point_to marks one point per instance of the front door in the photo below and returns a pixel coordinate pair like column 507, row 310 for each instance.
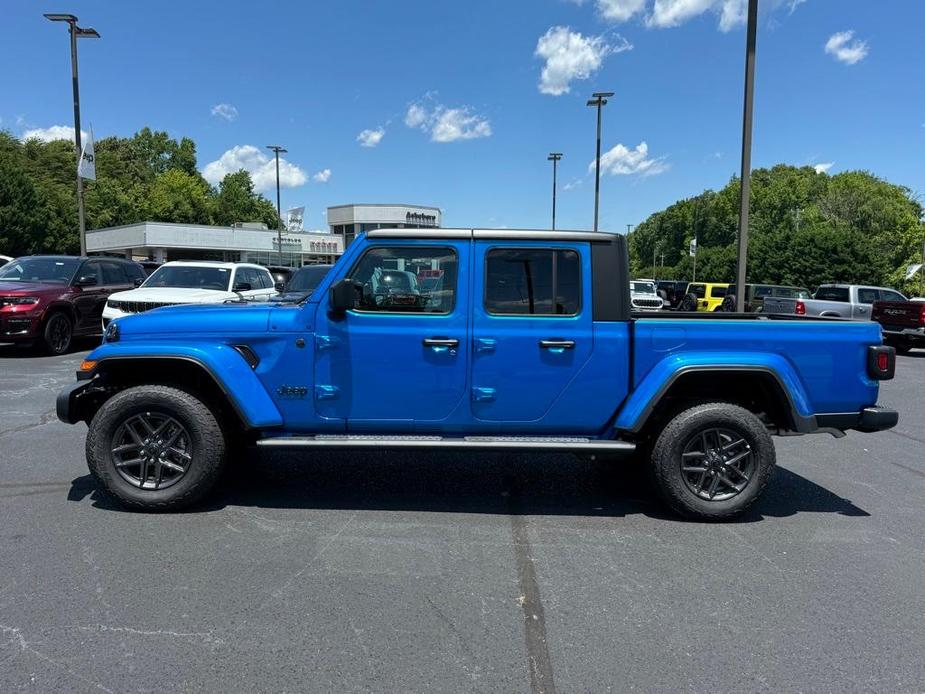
column 399, row 360
column 90, row 301
column 532, row 327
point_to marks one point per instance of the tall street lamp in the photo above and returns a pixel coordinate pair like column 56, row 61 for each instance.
column 599, row 100
column 279, row 215
column 554, row 157
column 750, row 40
column 77, row 33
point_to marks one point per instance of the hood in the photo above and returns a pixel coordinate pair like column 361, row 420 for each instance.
column 27, row 288
column 167, row 322
column 173, row 295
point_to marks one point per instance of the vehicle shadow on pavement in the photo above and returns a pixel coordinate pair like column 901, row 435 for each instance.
column 9, row 350
column 480, row 484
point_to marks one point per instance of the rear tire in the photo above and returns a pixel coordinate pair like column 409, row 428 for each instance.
column 155, row 448
column 57, row 334
column 711, row 462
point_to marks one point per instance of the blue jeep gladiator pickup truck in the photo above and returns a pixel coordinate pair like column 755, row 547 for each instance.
column 471, row 340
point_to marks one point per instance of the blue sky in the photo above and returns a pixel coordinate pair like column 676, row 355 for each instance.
column 462, row 101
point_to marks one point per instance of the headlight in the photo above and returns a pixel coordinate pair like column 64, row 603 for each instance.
column 18, row 300
column 112, row 304
column 111, row 333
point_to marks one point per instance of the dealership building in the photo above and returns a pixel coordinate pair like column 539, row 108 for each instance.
column 346, row 221
column 245, row 243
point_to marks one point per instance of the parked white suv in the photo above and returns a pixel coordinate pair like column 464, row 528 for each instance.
column 644, row 297
column 192, row 282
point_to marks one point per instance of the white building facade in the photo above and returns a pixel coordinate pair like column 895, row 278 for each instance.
column 161, row 241
column 346, row 221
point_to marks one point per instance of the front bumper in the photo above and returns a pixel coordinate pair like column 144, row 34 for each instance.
column 910, row 334
column 868, row 420
column 19, row 325
column 67, row 404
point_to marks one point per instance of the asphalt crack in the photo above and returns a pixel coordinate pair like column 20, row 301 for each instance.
column 539, row 663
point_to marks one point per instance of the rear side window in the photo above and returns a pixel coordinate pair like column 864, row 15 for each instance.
column 718, row 292
column 761, row 292
column 532, row 282
column 113, row 273
column 264, row 279
column 832, row 294
column 867, row 296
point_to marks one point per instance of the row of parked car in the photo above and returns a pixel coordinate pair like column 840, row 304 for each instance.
column 902, row 319
column 51, row 299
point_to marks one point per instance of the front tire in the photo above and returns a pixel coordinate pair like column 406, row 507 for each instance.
column 155, row 448
column 57, row 334
column 712, row 461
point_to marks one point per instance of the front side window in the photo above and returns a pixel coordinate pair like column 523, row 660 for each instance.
column 697, row 290
column 113, row 273
column 527, row 281
column 887, row 295
column 190, row 277
column 406, row 279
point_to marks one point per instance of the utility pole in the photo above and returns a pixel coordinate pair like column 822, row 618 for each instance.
column 629, row 228
column 599, row 100
column 77, row 33
column 554, row 157
column 279, row 215
column 750, row 41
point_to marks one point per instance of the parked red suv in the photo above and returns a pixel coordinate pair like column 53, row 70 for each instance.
column 54, row 298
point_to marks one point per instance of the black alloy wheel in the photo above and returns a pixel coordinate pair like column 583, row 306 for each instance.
column 58, row 333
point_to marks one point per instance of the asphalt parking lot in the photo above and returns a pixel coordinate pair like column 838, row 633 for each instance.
column 376, row 572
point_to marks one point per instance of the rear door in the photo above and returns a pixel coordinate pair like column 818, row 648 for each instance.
column 89, row 302
column 532, row 326
column 866, row 296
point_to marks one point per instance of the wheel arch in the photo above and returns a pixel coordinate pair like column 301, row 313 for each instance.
column 248, row 407
column 759, row 388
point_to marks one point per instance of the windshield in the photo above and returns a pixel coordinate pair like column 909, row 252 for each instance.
column 57, row 270
column 189, row 277
column 642, row 287
column 306, row 279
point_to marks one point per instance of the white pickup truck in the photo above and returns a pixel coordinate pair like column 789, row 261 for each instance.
column 834, row 300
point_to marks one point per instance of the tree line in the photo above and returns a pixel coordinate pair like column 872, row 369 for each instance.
column 147, row 177
column 805, row 229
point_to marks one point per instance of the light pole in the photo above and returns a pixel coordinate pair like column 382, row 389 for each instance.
column 750, row 40
column 599, row 100
column 279, row 215
column 77, row 33
column 554, row 157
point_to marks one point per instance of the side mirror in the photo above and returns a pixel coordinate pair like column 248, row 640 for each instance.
column 86, row 281
column 280, row 286
column 241, row 287
column 344, row 295
column 138, row 281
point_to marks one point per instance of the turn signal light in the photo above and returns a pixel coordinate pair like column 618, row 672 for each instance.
column 87, row 365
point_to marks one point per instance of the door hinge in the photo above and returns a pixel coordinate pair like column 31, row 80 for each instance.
column 483, row 394
column 325, row 392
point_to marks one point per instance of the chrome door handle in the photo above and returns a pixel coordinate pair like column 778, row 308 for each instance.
column 557, row 344
column 441, row 342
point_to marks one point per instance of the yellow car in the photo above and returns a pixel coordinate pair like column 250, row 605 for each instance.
column 709, row 295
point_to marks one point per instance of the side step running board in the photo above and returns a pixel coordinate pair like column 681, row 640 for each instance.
column 545, row 443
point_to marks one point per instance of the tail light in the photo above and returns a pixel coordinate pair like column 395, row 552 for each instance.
column 881, row 362
column 922, row 313
column 800, row 308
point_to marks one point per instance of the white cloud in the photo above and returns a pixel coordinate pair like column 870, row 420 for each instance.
column 619, row 10
column 371, row 138
column 226, row 111
column 447, row 124
column 794, row 4
column 622, row 161
column 571, row 56
column 846, row 50
column 258, row 164
column 672, row 13
column 54, row 132
column 571, row 185
column 322, row 176
column 824, row 167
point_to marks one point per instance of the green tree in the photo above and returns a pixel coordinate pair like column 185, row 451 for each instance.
column 237, row 202
column 177, row 196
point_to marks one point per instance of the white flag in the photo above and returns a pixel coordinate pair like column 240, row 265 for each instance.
column 86, row 168
column 693, row 248
column 294, row 218
column 912, row 269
